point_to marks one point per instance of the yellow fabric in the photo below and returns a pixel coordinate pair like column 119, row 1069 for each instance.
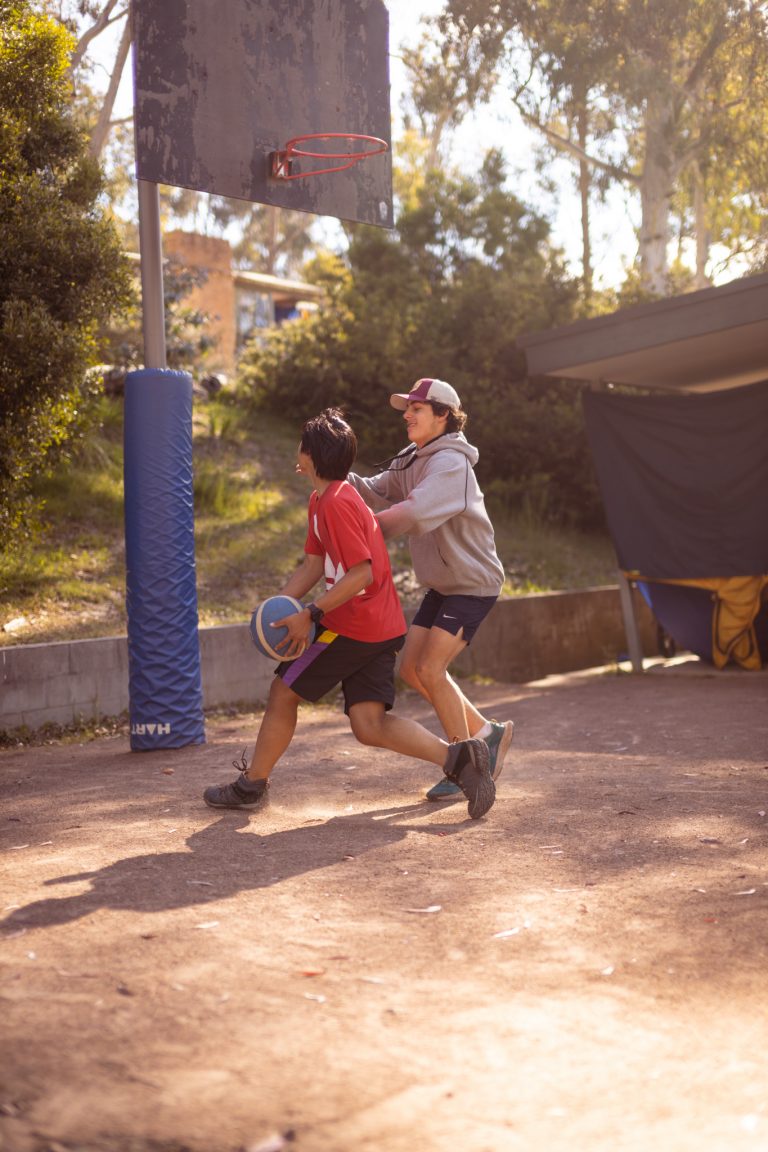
column 737, row 604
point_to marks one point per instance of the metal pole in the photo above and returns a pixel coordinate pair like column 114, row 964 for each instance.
column 631, row 628
column 152, row 300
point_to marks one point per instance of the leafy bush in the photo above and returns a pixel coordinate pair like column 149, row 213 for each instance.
column 61, row 269
column 468, row 269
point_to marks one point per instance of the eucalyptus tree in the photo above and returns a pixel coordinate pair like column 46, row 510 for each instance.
column 671, row 82
column 447, row 77
column 87, row 20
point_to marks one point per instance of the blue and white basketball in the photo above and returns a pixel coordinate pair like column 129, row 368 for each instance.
column 264, row 636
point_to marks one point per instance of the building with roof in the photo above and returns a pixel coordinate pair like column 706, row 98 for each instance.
column 238, row 302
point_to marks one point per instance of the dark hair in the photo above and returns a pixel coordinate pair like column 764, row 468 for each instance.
column 330, row 443
column 456, row 417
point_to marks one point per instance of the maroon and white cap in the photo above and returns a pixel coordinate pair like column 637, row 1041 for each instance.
column 426, row 389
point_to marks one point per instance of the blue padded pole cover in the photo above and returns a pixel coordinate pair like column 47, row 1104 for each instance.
column 165, row 688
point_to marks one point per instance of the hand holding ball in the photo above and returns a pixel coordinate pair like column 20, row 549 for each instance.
column 264, row 635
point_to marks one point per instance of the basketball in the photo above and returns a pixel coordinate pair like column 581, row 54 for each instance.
column 264, row 636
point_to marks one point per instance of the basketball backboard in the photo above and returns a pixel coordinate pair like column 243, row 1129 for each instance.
column 222, row 84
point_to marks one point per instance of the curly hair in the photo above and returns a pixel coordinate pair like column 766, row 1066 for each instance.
column 457, row 417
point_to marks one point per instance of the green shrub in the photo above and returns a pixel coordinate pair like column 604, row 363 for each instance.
column 61, row 268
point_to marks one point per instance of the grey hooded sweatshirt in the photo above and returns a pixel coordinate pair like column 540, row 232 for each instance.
column 431, row 494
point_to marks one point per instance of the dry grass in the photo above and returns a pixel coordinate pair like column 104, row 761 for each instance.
column 250, row 521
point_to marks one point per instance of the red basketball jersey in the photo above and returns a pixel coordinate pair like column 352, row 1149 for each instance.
column 344, row 531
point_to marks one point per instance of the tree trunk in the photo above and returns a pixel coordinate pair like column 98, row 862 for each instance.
column 656, row 185
column 103, row 20
column 703, row 235
column 584, row 187
column 101, row 131
column 272, row 238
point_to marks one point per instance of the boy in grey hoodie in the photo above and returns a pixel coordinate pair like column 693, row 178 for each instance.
column 429, row 492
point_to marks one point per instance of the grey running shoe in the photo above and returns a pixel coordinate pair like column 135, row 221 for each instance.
column 444, row 790
column 498, row 745
column 468, row 765
column 241, row 793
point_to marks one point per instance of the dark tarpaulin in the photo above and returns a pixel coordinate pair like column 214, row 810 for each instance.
column 684, row 480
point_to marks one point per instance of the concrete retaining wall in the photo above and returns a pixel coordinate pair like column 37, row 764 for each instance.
column 529, row 637
column 523, row 638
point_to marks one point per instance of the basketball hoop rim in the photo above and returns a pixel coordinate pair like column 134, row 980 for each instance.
column 291, row 149
column 280, row 161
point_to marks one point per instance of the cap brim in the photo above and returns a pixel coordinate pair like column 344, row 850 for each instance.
column 399, row 400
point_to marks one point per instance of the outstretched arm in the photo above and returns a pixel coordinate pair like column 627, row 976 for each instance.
column 378, row 491
column 440, row 494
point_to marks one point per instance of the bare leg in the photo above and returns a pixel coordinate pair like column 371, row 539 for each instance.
column 276, row 731
column 424, row 666
column 469, row 762
column 374, row 726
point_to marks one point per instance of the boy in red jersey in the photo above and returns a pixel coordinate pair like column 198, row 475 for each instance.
column 356, row 645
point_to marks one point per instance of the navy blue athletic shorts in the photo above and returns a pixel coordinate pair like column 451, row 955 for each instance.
column 452, row 613
column 365, row 671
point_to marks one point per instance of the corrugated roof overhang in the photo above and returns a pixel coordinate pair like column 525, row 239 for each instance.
column 703, row 341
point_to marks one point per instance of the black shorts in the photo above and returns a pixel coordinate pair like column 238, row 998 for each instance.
column 365, row 671
column 452, row 613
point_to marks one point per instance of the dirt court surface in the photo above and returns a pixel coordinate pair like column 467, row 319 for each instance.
column 355, row 969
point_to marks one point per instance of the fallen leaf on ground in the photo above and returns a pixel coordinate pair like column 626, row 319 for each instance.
column 208, row 924
column 431, row 908
column 274, row 1143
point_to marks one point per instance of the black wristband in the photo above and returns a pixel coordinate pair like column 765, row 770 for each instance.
column 315, row 613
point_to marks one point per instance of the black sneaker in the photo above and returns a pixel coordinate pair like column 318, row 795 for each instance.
column 498, row 745
column 469, row 765
column 241, row 793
